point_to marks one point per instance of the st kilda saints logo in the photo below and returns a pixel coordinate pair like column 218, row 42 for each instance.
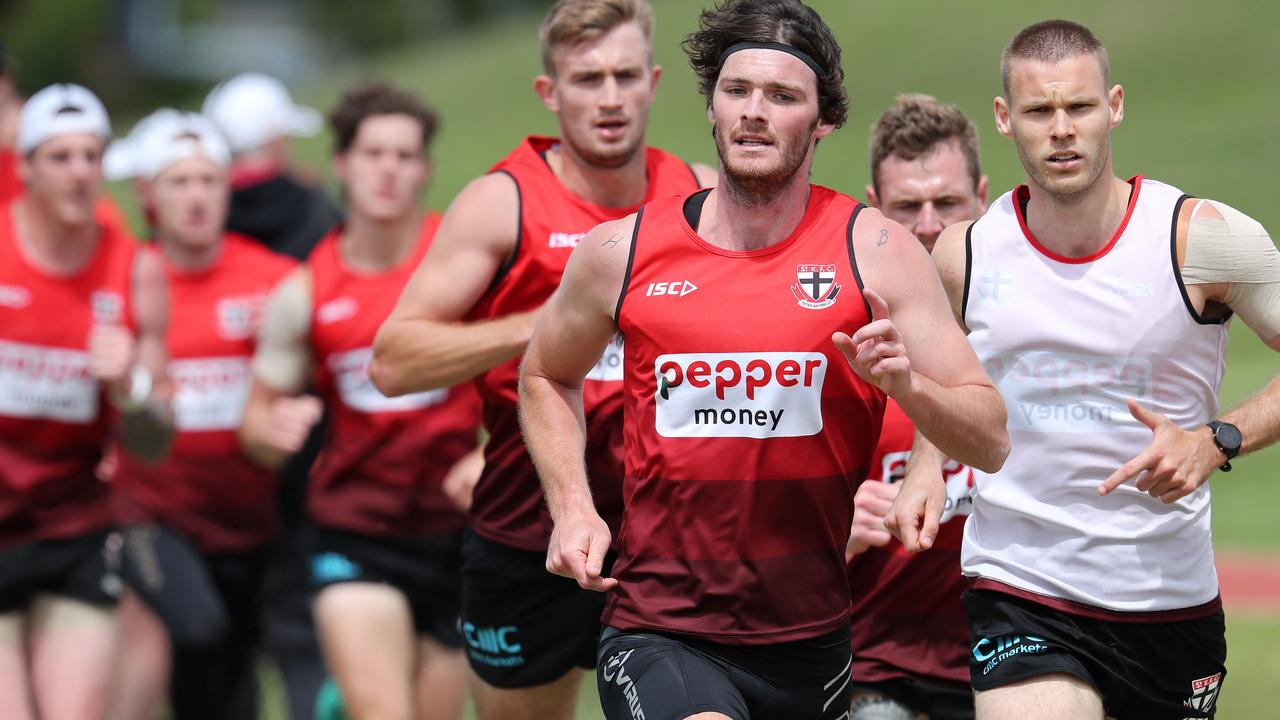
column 1204, row 695
column 816, row 287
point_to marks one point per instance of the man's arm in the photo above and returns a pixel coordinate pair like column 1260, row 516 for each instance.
column 146, row 418
column 1228, row 259
column 424, row 344
column 575, row 327
column 914, row 350
column 277, row 417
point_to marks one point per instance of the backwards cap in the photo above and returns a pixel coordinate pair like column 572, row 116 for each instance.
column 253, row 109
column 61, row 110
column 161, row 139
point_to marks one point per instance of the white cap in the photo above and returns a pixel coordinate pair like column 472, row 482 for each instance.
column 253, row 109
column 161, row 139
column 61, row 110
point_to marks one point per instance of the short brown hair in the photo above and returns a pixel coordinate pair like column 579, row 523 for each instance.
column 1052, row 41
column 377, row 98
column 571, row 22
column 914, row 126
column 789, row 22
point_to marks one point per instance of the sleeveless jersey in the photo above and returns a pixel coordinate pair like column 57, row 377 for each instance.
column 907, row 617
column 507, row 506
column 10, row 183
column 206, row 487
column 385, row 459
column 1069, row 341
column 53, row 414
column 747, row 432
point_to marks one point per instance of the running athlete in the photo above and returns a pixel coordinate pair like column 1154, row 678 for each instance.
column 470, row 309
column 82, row 324
column 910, row 636
column 386, row 559
column 765, row 321
column 197, row 524
column 1099, row 306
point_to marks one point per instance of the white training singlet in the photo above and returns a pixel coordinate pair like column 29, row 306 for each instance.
column 1068, row 341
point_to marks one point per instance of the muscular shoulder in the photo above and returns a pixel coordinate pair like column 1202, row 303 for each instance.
column 598, row 267
column 950, row 257
column 487, row 212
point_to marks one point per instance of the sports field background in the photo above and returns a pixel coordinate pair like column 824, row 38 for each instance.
column 1202, row 102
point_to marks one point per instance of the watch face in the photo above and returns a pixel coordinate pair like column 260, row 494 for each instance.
column 1228, row 436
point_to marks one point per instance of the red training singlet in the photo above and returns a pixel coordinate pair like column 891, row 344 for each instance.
column 907, row 617
column 207, row 488
column 53, row 419
column 747, row 432
column 508, row 506
column 10, row 183
column 385, row 459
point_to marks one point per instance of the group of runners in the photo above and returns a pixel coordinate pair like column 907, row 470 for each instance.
column 691, row 427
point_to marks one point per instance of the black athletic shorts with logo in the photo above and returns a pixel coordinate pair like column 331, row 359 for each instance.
column 524, row 626
column 913, row 697
column 667, row 677
column 1147, row 670
column 80, row 567
column 426, row 569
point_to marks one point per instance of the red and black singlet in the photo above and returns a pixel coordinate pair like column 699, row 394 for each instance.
column 907, row 617
column 206, row 487
column 747, row 432
column 508, row 505
column 54, row 419
column 385, row 459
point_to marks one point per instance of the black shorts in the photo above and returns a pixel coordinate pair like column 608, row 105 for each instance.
column 80, row 567
column 203, row 600
column 524, row 626
column 425, row 569
column 1142, row 670
column 935, row 700
column 668, row 677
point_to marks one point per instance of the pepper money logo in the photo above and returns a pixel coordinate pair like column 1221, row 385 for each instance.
column 754, row 395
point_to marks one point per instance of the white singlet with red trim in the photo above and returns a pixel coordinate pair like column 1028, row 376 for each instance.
column 1068, row 341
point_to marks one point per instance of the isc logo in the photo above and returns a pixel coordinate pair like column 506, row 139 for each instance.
column 679, row 288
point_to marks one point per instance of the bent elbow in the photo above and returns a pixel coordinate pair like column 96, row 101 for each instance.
column 383, row 376
column 999, row 452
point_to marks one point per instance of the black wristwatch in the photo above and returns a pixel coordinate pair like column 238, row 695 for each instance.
column 1227, row 437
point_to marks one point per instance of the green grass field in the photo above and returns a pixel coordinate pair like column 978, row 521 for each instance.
column 1201, row 114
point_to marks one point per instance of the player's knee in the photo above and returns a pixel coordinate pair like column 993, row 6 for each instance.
column 879, row 707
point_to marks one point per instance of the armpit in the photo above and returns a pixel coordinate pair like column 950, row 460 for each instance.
column 1238, row 252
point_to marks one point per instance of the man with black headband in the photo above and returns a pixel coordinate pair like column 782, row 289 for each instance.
column 744, row 441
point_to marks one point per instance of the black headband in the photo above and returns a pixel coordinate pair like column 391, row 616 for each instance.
column 798, row 54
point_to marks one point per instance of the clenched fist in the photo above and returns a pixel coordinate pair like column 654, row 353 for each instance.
column 290, row 422
column 112, row 352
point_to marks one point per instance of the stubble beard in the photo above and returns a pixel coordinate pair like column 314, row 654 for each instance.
column 1054, row 189
column 755, row 188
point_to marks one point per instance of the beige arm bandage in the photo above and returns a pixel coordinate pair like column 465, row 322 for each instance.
column 1236, row 250
column 282, row 360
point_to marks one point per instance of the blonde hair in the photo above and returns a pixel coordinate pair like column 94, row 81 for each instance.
column 570, row 22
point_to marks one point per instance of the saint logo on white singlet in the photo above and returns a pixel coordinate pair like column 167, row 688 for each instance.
column 609, row 367
column 46, row 383
column 351, row 374
column 1070, row 392
column 209, row 393
column 754, row 395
